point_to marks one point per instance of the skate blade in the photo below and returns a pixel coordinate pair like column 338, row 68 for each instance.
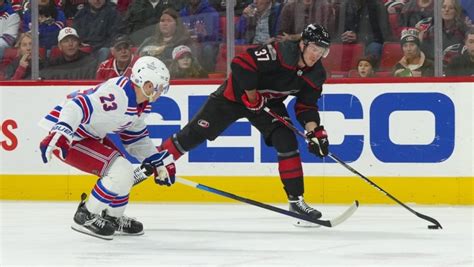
column 81, row 229
column 117, row 233
column 305, row 224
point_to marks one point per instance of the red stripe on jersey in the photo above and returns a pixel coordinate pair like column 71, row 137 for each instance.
column 229, row 89
column 311, row 83
column 54, row 113
column 123, row 82
column 290, row 168
column 244, row 64
column 168, row 145
column 299, row 107
column 85, row 108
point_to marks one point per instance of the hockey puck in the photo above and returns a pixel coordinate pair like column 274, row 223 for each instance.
column 433, row 227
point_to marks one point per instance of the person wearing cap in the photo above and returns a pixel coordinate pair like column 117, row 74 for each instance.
column 73, row 63
column 414, row 62
column 366, row 67
column 121, row 62
column 185, row 65
column 264, row 77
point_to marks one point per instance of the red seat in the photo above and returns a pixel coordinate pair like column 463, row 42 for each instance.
column 353, row 74
column 391, row 54
column 383, row 74
column 222, row 26
column 393, row 20
column 337, row 74
column 221, row 61
column 343, row 57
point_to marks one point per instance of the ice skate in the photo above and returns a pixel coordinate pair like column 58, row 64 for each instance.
column 298, row 205
column 125, row 225
column 92, row 224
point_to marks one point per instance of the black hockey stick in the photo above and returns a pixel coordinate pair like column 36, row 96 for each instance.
column 328, row 223
column 141, row 175
column 436, row 225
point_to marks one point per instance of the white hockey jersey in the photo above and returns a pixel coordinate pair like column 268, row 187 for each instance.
column 111, row 107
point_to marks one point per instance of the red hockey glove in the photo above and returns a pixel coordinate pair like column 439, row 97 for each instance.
column 59, row 138
column 164, row 169
column 318, row 144
column 256, row 106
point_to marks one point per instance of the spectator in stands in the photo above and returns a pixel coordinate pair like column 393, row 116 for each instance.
column 51, row 21
column 454, row 28
column 202, row 20
column 121, row 62
column 170, row 32
column 417, row 14
column 20, row 68
column 299, row 13
column 142, row 16
column 72, row 63
column 366, row 67
column 463, row 65
column 258, row 23
column 98, row 23
column 9, row 25
column 413, row 63
column 71, row 7
column 395, row 6
column 221, row 5
column 366, row 22
column 468, row 7
column 185, row 65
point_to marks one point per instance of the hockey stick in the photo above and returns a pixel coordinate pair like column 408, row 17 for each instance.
column 328, row 223
column 436, row 225
column 140, row 176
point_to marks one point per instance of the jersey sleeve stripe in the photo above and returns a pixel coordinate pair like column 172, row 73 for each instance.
column 82, row 132
column 244, row 63
column 302, row 108
column 129, row 137
column 85, row 104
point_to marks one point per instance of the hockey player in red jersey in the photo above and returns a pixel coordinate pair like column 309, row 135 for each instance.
column 266, row 76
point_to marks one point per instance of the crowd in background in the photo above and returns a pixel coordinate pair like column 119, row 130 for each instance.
column 100, row 39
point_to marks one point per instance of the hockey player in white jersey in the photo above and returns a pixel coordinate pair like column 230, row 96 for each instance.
column 78, row 137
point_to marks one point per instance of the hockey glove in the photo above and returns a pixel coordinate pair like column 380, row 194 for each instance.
column 318, row 144
column 59, row 138
column 163, row 166
column 256, row 106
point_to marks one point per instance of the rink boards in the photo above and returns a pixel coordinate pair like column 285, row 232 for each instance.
column 413, row 139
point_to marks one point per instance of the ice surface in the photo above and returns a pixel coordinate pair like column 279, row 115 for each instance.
column 38, row 233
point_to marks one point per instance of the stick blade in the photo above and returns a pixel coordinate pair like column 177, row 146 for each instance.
column 345, row 215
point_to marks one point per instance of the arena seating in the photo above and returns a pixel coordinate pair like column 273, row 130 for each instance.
column 343, row 57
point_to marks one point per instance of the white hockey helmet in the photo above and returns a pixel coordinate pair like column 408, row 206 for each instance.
column 151, row 69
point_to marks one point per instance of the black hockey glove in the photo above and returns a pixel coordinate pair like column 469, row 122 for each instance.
column 257, row 106
column 318, row 144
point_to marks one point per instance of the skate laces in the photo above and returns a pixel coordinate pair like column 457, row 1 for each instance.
column 124, row 221
column 302, row 205
column 96, row 220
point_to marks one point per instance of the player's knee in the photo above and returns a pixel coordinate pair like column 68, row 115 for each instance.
column 121, row 175
column 284, row 140
column 188, row 138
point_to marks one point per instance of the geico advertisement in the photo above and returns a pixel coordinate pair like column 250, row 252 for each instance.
column 402, row 130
